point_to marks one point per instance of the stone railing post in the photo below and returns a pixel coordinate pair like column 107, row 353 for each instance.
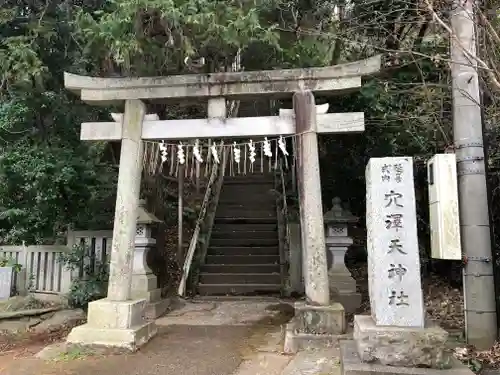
column 338, row 241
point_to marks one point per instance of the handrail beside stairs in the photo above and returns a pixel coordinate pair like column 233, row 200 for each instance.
column 216, row 178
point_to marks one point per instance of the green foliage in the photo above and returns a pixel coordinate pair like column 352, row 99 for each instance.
column 144, row 36
column 10, row 262
column 44, row 188
column 84, row 291
column 91, row 283
column 49, row 180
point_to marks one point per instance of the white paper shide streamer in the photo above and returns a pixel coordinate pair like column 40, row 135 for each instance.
column 237, row 153
column 267, row 148
column 213, row 149
column 282, row 146
column 251, row 149
column 163, row 152
column 180, row 154
column 196, row 152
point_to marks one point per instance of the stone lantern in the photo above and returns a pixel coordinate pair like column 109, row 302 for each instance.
column 342, row 284
column 144, row 282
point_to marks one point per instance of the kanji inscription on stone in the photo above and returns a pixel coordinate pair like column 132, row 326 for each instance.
column 393, row 257
column 393, row 199
column 392, row 172
column 394, row 221
column 398, row 299
column 397, row 271
column 396, row 245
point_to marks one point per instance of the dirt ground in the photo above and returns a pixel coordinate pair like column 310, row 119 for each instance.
column 199, row 339
column 194, row 350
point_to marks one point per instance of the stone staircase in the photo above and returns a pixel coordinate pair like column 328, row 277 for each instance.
column 243, row 254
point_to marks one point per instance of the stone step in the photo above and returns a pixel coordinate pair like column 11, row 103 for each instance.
column 243, row 259
column 248, row 198
column 248, row 201
column 237, row 289
column 244, row 227
column 241, row 242
column 245, row 220
column 249, row 179
column 242, row 204
column 247, row 212
column 271, row 234
column 240, row 278
column 240, row 268
column 247, row 188
column 256, row 167
column 243, row 250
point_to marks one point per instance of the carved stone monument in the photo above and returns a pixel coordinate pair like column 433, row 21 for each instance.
column 393, row 259
column 342, row 284
column 396, row 336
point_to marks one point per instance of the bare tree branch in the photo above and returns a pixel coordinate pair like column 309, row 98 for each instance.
column 472, row 57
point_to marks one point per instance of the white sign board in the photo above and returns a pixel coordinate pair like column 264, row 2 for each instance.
column 444, row 218
column 5, row 282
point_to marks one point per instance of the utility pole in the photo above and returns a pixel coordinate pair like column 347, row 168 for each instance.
column 479, row 288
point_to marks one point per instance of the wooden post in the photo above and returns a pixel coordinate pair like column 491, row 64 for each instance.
column 311, row 208
column 180, row 219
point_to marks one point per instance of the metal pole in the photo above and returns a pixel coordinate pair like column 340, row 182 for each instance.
column 479, row 291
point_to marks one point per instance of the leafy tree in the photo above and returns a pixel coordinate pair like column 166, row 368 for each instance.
column 49, row 180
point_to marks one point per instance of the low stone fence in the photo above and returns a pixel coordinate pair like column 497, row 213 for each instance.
column 42, row 269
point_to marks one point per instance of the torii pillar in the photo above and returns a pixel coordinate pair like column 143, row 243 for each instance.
column 118, row 320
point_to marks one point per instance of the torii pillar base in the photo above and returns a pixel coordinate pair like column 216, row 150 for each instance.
column 314, row 327
column 118, row 324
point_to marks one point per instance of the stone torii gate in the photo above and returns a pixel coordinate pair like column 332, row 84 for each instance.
column 118, row 320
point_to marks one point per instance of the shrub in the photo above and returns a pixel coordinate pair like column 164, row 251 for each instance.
column 90, row 276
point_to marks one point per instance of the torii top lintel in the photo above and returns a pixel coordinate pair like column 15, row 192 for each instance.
column 234, row 85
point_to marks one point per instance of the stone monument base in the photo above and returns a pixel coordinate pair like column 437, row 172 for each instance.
column 119, row 324
column 400, row 346
column 314, row 326
column 352, row 365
